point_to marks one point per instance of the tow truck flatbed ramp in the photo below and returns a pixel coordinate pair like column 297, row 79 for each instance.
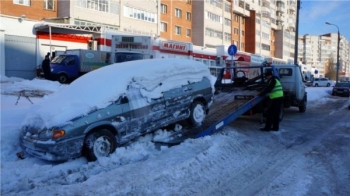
column 227, row 107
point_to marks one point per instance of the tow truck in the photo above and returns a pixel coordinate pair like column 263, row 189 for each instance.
column 236, row 95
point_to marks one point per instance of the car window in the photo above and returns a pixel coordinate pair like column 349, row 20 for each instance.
column 285, row 71
column 342, row 85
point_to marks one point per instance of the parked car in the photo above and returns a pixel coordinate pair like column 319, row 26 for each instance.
column 113, row 105
column 322, row 82
column 349, row 103
column 341, row 88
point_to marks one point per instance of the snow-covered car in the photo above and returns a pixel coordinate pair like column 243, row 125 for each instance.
column 116, row 104
column 322, row 82
column 341, row 88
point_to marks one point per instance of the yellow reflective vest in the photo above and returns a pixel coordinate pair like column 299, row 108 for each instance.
column 277, row 91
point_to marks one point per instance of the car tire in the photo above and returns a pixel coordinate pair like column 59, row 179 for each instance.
column 302, row 106
column 316, row 85
column 62, row 78
column 98, row 144
column 197, row 113
column 328, row 85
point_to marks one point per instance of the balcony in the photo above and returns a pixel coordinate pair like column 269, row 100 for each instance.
column 279, row 19
column 265, row 14
column 280, row 5
column 265, row 3
column 241, row 4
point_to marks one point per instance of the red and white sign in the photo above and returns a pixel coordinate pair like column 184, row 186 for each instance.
column 173, row 46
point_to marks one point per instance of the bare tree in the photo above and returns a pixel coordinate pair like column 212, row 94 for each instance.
column 331, row 68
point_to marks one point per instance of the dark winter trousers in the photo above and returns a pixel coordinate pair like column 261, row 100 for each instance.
column 273, row 111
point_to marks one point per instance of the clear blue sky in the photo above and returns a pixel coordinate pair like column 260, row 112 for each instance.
column 314, row 13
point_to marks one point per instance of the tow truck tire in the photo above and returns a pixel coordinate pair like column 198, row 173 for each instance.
column 197, row 113
column 302, row 106
column 99, row 144
column 62, row 78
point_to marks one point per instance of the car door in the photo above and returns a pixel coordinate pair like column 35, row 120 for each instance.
column 178, row 101
column 145, row 114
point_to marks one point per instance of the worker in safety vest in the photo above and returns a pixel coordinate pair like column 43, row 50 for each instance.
column 275, row 94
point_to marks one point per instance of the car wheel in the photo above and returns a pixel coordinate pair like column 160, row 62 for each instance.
column 302, row 106
column 197, row 113
column 63, row 78
column 316, row 85
column 328, row 84
column 99, row 144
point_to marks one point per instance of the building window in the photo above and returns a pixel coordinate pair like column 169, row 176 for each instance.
column 228, row 37
column 49, row 4
column 214, row 17
column 227, row 7
column 99, row 5
column 163, row 26
column 188, row 32
column 242, row 33
column 178, row 13
column 236, row 17
column 213, row 33
column 235, row 31
column 188, row 16
column 217, row 3
column 242, row 46
column 22, row 2
column 189, row 1
column 227, row 22
column 163, row 8
column 266, row 47
column 177, row 30
column 139, row 14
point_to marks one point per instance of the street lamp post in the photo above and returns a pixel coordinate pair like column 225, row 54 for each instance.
column 337, row 75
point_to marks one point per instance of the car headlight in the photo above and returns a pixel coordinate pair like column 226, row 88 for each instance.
column 45, row 134
column 52, row 134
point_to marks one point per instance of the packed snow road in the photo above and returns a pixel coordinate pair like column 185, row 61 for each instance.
column 308, row 156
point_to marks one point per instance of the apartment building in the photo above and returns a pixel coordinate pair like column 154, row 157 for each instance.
column 29, row 9
column 274, row 25
column 176, row 20
column 317, row 50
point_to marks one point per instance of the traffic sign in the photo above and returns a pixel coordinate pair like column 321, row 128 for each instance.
column 232, row 50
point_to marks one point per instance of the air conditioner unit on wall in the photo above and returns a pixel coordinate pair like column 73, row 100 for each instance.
column 92, row 45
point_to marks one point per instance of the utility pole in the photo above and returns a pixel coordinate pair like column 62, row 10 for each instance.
column 296, row 34
column 337, row 75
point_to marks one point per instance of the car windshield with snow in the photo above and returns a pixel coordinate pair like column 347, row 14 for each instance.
column 115, row 104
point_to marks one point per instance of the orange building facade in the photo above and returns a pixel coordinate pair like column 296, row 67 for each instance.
column 30, row 9
column 176, row 20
